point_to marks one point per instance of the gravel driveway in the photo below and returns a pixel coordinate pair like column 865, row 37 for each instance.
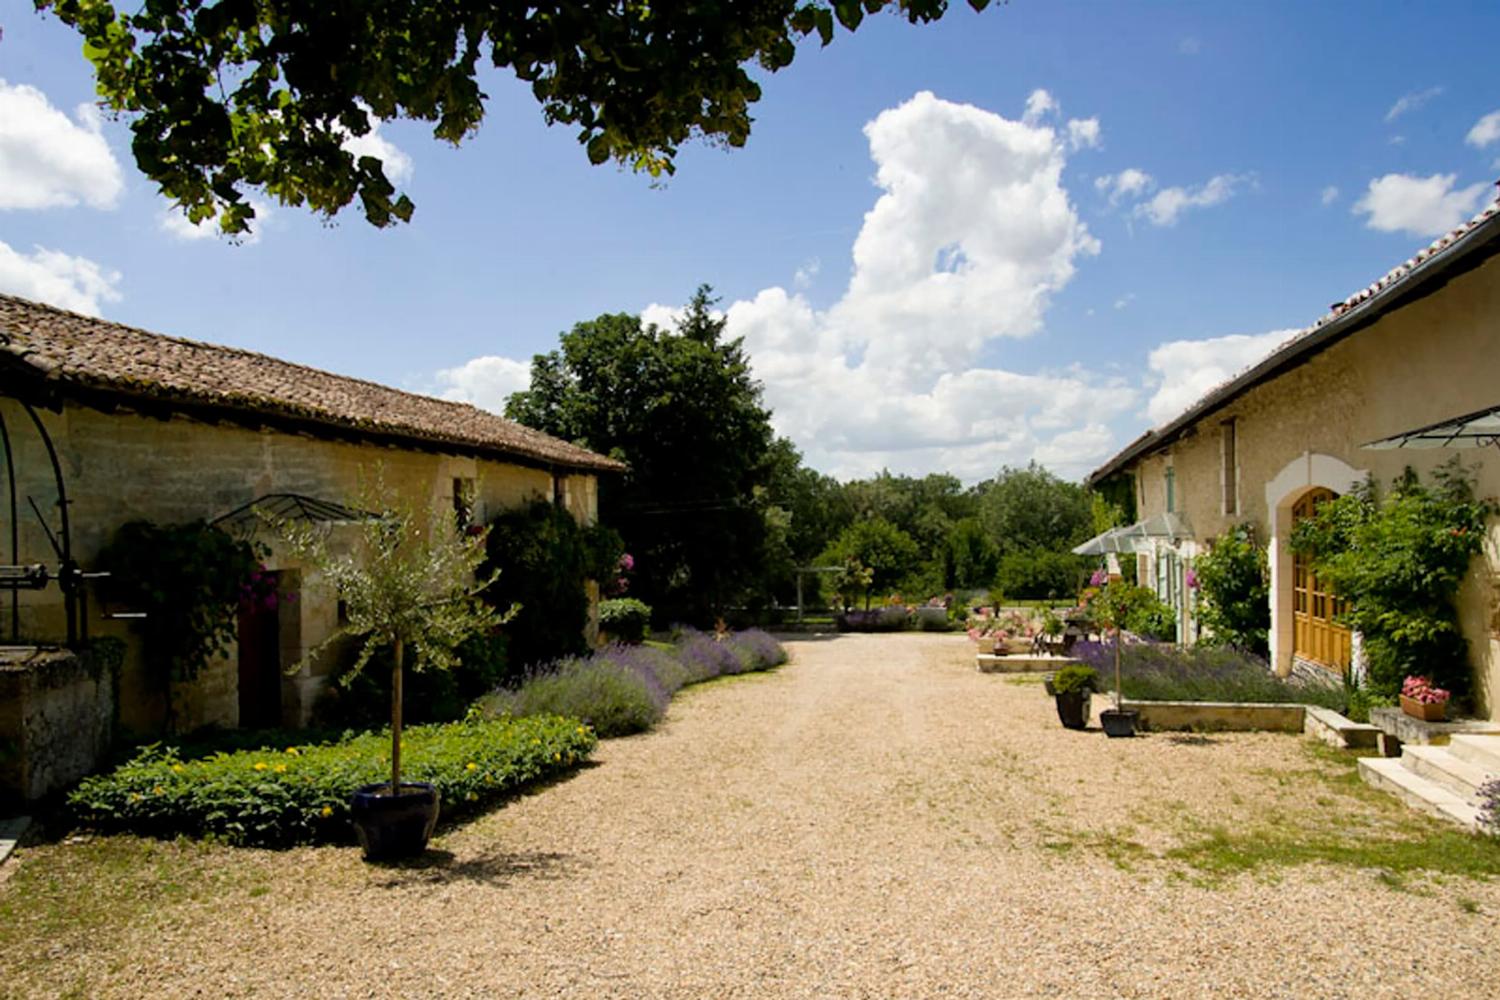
column 876, row 819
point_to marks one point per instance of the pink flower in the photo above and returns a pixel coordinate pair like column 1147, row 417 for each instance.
column 627, row 562
column 1098, row 579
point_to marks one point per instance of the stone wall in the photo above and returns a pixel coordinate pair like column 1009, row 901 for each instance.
column 122, row 466
column 1426, row 362
column 56, row 719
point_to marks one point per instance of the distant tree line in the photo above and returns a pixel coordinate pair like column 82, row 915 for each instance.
column 719, row 513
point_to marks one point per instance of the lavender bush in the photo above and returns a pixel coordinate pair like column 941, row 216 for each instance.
column 623, row 689
column 1152, row 671
column 1489, row 807
column 887, row 619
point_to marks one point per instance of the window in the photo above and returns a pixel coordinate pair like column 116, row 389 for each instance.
column 463, row 501
column 1230, row 474
column 1171, row 489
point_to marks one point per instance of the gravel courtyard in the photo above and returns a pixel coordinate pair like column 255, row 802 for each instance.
column 875, row 819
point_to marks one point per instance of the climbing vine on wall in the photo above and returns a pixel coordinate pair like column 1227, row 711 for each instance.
column 1398, row 558
column 188, row 579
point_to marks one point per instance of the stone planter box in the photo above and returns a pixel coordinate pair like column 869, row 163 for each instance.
column 1219, row 715
column 56, row 720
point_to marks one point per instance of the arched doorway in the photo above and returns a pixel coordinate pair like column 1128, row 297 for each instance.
column 1317, row 638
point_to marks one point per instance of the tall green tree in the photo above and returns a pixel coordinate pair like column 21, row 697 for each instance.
column 878, row 546
column 1031, row 508
column 225, row 96
column 682, row 409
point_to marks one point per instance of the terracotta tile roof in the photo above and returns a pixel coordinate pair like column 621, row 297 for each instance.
column 1342, row 314
column 69, row 350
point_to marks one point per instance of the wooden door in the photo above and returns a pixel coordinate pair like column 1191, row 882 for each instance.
column 1316, row 636
column 260, row 662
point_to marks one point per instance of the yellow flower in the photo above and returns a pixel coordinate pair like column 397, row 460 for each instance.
column 292, row 752
column 471, row 766
column 557, row 756
column 582, row 731
column 260, row 765
column 536, row 743
column 327, row 811
column 178, row 769
column 156, row 790
column 281, row 769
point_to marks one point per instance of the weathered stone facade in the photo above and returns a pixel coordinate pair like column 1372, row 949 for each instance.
column 122, row 466
column 170, row 431
column 1421, row 361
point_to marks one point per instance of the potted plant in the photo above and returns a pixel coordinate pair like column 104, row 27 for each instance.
column 1110, row 607
column 410, row 588
column 1421, row 700
column 1072, row 687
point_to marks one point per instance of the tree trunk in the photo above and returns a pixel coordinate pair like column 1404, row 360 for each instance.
column 1119, row 703
column 396, row 721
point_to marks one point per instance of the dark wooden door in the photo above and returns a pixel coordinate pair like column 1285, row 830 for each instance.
column 260, row 663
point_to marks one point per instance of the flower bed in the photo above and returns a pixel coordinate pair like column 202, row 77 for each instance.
column 278, row 796
column 1152, row 671
column 620, row 690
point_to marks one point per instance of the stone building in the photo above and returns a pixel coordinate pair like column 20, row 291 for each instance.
column 167, row 430
column 1419, row 346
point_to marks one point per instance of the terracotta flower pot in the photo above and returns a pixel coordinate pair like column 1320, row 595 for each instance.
column 1427, row 711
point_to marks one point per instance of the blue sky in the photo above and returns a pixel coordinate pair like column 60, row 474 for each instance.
column 928, row 277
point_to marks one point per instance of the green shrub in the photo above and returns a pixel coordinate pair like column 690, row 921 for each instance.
column 625, row 619
column 363, row 700
column 1037, row 574
column 1075, row 678
column 277, row 796
column 1398, row 560
column 1135, row 609
column 544, row 557
column 1234, row 587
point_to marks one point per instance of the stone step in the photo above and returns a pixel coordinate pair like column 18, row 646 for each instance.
column 1442, row 765
column 1389, row 775
column 1481, row 750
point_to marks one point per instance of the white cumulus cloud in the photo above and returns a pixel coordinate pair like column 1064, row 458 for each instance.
column 1411, row 102
column 48, row 160
column 484, row 381
column 1128, row 183
column 1039, row 105
column 970, row 236
column 1083, row 133
column 1168, row 204
column 1329, row 196
column 1422, row 206
column 1183, row 371
column 58, row 279
column 1485, row 131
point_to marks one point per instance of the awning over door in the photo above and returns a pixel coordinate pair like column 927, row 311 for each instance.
column 288, row 507
column 1141, row 536
column 1477, row 430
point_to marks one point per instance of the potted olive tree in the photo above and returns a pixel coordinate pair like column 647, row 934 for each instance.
column 1110, row 609
column 409, row 586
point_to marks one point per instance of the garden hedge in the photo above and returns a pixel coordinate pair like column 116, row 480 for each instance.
column 279, row 796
